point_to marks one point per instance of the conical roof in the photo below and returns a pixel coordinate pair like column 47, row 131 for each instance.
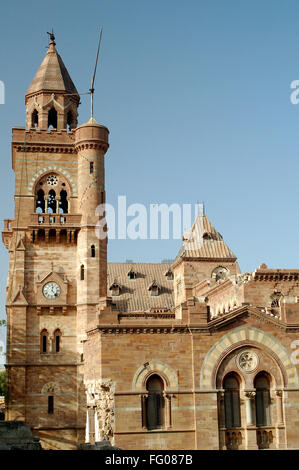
column 204, row 242
column 52, row 75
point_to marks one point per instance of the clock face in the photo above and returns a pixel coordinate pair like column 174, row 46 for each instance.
column 51, row 290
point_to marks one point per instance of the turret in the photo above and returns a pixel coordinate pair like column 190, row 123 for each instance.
column 91, row 143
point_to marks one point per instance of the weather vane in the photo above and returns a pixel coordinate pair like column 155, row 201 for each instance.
column 51, row 35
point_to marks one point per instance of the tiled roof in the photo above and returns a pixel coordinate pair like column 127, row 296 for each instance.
column 52, row 75
column 135, row 295
column 204, row 242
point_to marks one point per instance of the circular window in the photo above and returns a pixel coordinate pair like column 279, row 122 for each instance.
column 247, row 361
column 52, row 180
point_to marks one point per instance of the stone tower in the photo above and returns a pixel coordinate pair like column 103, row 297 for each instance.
column 57, row 265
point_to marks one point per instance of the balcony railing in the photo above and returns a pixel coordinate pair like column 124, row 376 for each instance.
column 70, row 220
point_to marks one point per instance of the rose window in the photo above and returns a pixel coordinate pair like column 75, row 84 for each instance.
column 52, row 180
column 247, row 361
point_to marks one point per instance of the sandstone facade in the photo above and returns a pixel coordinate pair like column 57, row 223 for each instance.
column 189, row 355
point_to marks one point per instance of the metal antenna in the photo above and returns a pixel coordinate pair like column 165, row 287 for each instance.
column 94, row 74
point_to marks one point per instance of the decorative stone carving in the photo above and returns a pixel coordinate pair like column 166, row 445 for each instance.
column 243, row 278
column 51, row 387
column 247, row 361
column 100, row 394
column 52, row 180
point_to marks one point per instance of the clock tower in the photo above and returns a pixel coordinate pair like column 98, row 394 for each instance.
column 57, row 266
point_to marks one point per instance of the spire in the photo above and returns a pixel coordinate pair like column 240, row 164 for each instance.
column 52, row 75
column 204, row 242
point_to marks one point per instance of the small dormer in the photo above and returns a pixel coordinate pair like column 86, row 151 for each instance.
column 132, row 274
column 154, row 289
column 115, row 288
column 169, row 275
column 207, row 236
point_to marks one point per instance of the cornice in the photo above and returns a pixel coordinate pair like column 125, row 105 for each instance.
column 45, row 147
column 192, row 328
column 92, row 145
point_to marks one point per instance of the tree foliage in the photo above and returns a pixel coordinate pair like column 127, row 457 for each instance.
column 2, row 383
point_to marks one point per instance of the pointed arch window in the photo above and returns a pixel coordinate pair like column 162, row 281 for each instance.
column 155, row 403
column 40, row 202
column 262, row 400
column 34, row 119
column 52, row 118
column 52, row 202
column 57, row 341
column 231, row 387
column 44, row 341
column 82, row 273
column 63, row 203
column 70, row 120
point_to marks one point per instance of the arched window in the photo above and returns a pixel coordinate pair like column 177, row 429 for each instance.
column 50, row 404
column 52, row 202
column 40, row 202
column 92, row 251
column 69, row 120
column 231, row 387
column 91, row 167
column 220, row 273
column 262, row 400
column 57, row 341
column 52, row 118
column 34, row 119
column 44, row 341
column 154, row 403
column 63, row 203
column 82, row 272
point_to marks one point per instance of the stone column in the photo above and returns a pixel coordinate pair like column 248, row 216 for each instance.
column 221, row 420
column 167, row 399
column 97, row 437
column 249, row 407
column 279, row 405
column 143, row 409
column 250, row 420
column 87, row 426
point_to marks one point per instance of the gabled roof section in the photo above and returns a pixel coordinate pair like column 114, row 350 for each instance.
column 204, row 242
column 52, row 75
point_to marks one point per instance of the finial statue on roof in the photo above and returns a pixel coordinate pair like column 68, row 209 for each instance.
column 51, row 37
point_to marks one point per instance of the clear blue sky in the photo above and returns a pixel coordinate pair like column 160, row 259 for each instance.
column 196, row 95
